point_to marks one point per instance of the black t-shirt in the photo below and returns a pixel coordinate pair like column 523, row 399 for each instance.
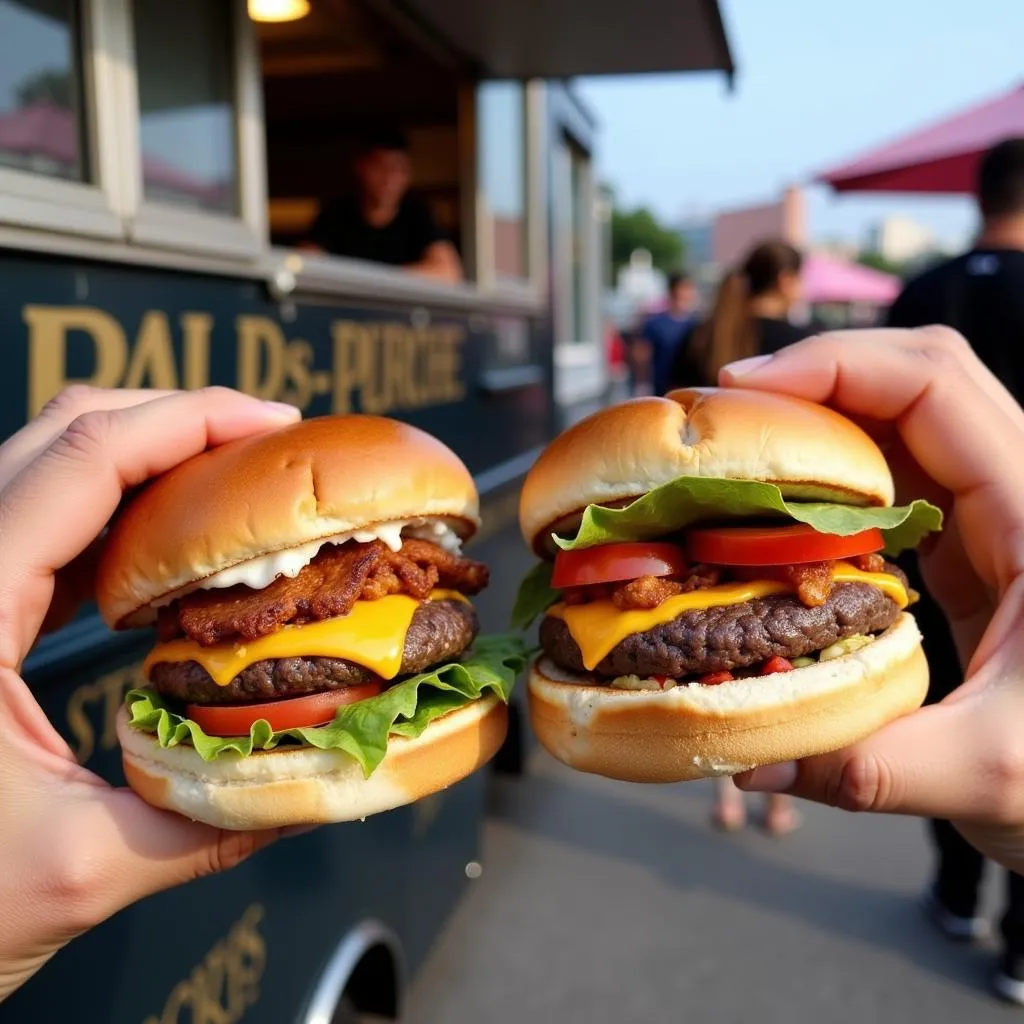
column 341, row 229
column 771, row 336
column 981, row 294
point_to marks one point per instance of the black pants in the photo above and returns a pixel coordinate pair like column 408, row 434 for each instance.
column 960, row 867
column 958, row 881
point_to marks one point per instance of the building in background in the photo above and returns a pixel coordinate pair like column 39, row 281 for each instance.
column 735, row 231
column 900, row 240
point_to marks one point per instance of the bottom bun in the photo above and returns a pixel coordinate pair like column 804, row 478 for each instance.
column 307, row 786
column 693, row 731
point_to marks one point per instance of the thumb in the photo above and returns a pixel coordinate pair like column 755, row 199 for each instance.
column 929, row 764
column 138, row 850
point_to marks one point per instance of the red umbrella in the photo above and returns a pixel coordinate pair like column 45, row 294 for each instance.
column 941, row 158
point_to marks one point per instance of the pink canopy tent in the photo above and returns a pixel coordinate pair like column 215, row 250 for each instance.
column 942, row 158
column 826, row 279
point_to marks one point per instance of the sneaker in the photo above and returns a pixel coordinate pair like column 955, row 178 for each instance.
column 1008, row 982
column 953, row 926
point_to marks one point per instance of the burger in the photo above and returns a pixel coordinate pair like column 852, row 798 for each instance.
column 317, row 656
column 714, row 586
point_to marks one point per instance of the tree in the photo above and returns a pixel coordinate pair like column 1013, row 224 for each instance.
column 876, row 261
column 45, row 87
column 640, row 229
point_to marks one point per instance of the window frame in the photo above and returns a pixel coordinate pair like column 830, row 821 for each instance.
column 165, row 225
column 531, row 285
column 93, row 208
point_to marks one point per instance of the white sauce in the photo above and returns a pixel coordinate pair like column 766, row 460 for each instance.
column 258, row 573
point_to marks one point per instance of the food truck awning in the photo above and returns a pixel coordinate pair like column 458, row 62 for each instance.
column 565, row 38
column 942, row 158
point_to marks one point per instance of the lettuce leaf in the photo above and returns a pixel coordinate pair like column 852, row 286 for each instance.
column 535, row 596
column 360, row 729
column 679, row 503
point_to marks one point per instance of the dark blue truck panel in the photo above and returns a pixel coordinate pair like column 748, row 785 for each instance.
column 254, row 943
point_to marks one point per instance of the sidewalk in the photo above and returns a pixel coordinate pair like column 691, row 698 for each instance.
column 606, row 903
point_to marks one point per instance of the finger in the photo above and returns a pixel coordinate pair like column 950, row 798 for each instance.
column 98, row 457
column 34, row 438
column 916, row 765
column 957, row 760
column 861, row 348
column 961, row 428
column 129, row 850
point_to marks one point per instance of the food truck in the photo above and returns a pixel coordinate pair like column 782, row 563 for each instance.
column 161, row 165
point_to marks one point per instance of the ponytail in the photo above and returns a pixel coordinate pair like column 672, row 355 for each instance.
column 729, row 333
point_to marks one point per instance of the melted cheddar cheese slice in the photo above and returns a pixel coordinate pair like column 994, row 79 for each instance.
column 372, row 635
column 598, row 627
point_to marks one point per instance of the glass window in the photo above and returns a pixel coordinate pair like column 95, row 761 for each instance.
column 579, row 191
column 41, row 89
column 186, row 103
column 501, row 166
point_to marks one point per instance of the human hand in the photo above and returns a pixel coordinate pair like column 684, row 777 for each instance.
column 953, row 434
column 74, row 850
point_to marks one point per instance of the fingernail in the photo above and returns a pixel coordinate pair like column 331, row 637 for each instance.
column 744, row 366
column 772, row 778
column 284, row 410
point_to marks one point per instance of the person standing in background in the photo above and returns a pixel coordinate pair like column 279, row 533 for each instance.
column 663, row 332
column 749, row 318
column 981, row 294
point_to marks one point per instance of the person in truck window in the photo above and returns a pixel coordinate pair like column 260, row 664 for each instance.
column 381, row 221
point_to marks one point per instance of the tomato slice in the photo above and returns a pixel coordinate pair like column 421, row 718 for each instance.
column 607, row 563
column 777, row 545
column 290, row 713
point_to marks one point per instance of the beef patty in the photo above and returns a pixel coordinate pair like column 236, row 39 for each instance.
column 732, row 636
column 440, row 631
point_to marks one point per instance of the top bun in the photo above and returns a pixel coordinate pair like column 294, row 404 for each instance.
column 275, row 491
column 617, row 454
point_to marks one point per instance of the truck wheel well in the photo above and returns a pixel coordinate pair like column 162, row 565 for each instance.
column 374, row 984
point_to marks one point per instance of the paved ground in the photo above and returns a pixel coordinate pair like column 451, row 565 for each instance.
column 604, row 902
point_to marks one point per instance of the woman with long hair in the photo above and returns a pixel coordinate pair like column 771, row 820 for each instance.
column 749, row 318
column 750, row 315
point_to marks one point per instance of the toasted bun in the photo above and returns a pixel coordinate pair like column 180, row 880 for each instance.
column 622, row 452
column 693, row 732
column 306, row 786
column 263, row 494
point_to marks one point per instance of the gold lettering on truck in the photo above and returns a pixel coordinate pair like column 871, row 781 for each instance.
column 195, row 331
column 152, row 360
column 380, row 368
column 227, row 982
column 105, row 695
column 262, row 350
column 48, row 329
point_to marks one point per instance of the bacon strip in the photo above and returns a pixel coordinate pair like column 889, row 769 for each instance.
column 329, row 586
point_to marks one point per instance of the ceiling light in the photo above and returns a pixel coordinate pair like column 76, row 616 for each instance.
column 278, row 10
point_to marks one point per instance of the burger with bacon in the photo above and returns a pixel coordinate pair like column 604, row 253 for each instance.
column 317, row 656
column 714, row 588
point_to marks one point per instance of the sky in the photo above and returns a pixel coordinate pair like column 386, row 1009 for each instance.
column 818, row 82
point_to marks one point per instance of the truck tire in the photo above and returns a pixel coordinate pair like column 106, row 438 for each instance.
column 511, row 758
column 345, row 1013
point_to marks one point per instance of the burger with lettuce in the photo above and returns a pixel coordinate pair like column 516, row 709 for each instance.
column 317, row 656
column 714, row 586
